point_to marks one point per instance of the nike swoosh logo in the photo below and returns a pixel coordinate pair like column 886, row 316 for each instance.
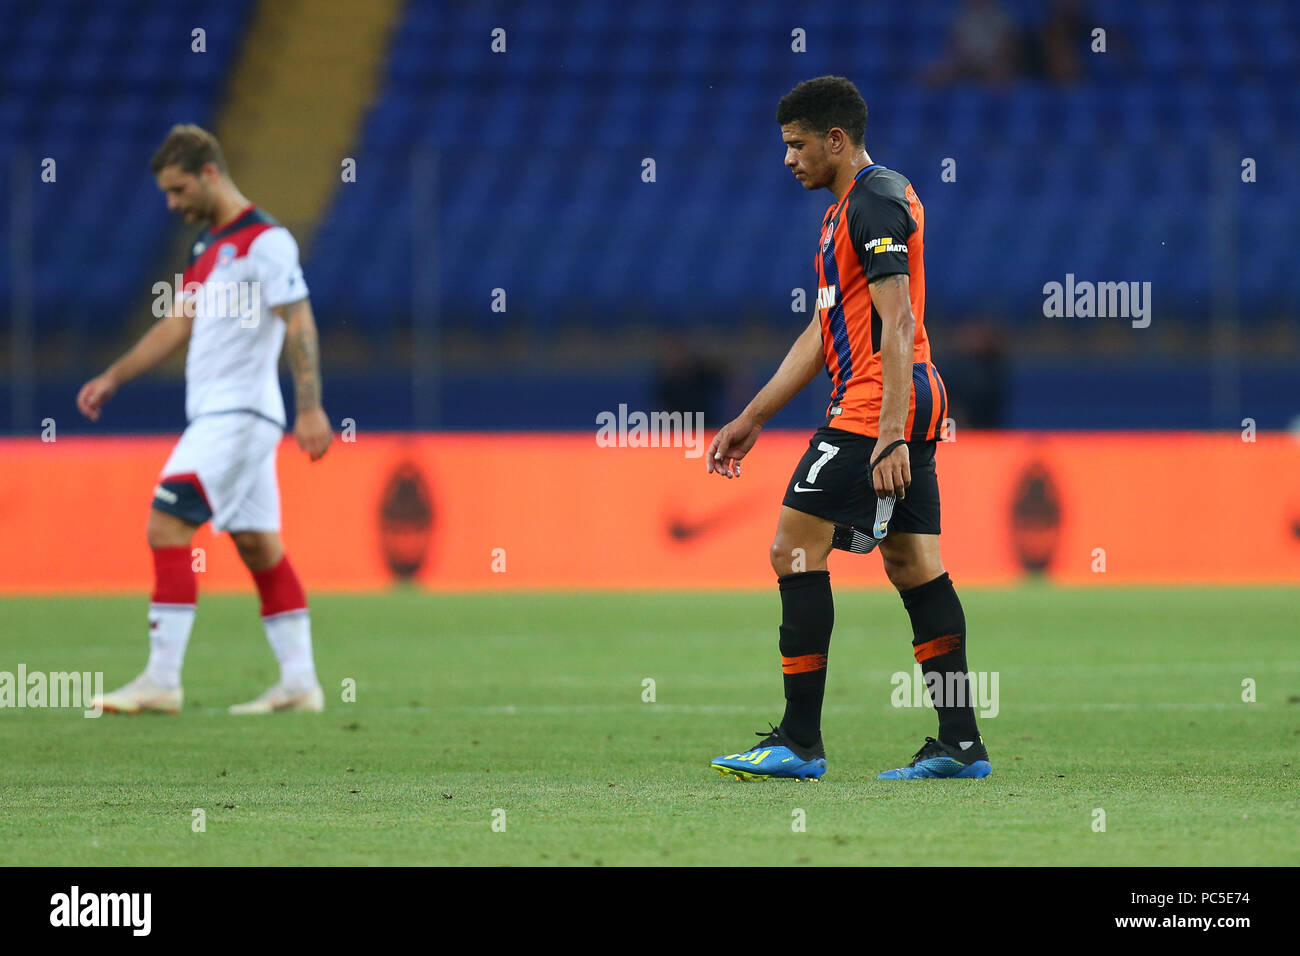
column 684, row 529
column 797, row 488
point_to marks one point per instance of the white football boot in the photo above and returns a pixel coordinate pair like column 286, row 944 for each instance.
column 279, row 697
column 142, row 695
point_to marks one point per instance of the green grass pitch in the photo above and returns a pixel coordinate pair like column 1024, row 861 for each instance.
column 1127, row 701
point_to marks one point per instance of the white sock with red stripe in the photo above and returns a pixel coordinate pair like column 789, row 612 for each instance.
column 171, row 614
column 288, row 624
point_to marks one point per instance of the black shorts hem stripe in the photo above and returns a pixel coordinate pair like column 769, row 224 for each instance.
column 189, row 505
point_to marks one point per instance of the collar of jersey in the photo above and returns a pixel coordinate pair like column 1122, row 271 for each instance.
column 856, row 176
column 229, row 227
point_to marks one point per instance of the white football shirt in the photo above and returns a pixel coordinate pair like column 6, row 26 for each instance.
column 237, row 275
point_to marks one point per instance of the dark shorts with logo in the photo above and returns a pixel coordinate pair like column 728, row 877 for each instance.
column 837, row 485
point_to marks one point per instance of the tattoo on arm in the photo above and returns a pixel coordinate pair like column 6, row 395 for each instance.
column 894, row 282
column 897, row 333
column 303, row 350
column 894, row 287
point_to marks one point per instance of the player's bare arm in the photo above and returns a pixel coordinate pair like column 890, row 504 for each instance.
column 799, row 367
column 311, row 426
column 892, row 298
column 163, row 338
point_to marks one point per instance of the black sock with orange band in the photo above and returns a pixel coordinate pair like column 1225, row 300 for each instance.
column 939, row 645
column 807, row 616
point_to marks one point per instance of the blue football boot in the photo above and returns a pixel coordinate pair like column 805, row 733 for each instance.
column 936, row 759
column 775, row 757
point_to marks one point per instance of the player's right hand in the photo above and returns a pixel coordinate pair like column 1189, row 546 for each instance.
column 730, row 445
column 94, row 394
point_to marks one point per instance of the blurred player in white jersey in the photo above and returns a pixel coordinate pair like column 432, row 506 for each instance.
column 244, row 298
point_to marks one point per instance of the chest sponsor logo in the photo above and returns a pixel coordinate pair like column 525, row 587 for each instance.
column 826, row 297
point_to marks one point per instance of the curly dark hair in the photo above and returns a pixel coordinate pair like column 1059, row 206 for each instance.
column 823, row 103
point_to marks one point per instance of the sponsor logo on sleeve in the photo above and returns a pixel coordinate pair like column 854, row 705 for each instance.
column 886, row 244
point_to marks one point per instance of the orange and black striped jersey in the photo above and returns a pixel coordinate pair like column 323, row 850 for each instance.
column 877, row 229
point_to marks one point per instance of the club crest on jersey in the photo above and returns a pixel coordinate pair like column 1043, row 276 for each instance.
column 225, row 254
column 827, row 235
column 826, row 297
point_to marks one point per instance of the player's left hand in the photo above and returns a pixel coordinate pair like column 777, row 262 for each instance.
column 312, row 429
column 94, row 394
column 893, row 476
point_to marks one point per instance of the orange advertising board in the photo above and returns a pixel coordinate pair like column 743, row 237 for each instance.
column 537, row 511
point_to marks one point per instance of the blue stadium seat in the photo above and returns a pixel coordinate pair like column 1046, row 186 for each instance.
column 87, row 87
column 540, row 149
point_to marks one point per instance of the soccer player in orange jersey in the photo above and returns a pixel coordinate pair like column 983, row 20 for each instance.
column 868, row 478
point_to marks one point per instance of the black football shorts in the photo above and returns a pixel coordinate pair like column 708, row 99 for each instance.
column 833, row 481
